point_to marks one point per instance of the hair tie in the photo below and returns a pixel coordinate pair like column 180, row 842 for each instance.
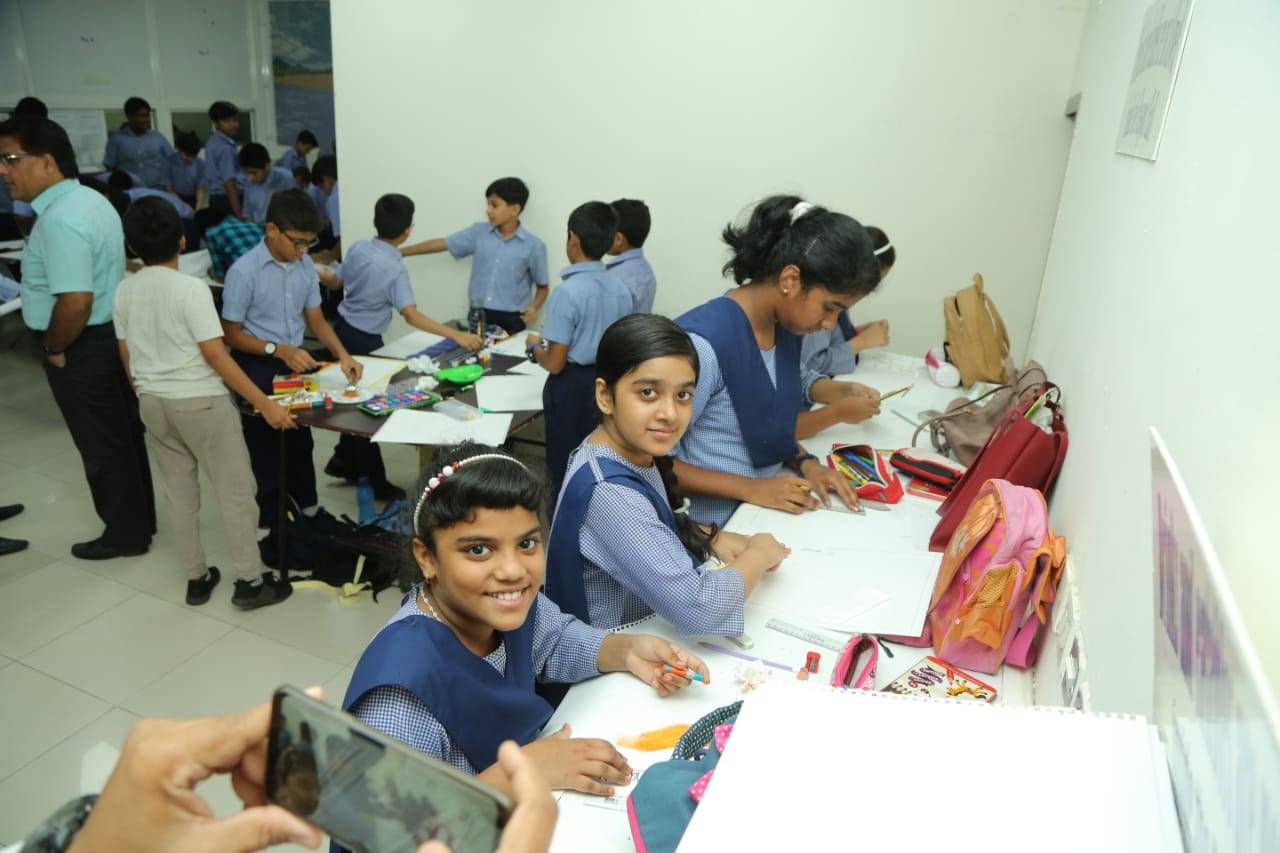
column 683, row 509
column 448, row 471
column 886, row 247
column 800, row 209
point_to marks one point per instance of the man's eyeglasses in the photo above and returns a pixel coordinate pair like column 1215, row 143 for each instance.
column 301, row 243
column 12, row 159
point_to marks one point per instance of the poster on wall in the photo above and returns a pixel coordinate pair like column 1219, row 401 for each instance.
column 1155, row 68
column 87, row 130
column 302, row 68
column 1215, row 709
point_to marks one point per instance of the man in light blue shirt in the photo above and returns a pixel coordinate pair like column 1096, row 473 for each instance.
column 509, row 268
column 221, row 164
column 629, row 263
column 262, row 181
column 137, row 148
column 72, row 263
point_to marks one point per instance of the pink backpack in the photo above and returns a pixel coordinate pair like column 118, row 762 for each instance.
column 997, row 581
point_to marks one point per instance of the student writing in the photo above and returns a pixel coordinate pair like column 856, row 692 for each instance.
column 622, row 544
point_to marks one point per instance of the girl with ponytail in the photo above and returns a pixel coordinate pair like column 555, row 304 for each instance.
column 622, row 543
column 798, row 267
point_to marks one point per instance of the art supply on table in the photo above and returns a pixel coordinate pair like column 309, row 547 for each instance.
column 872, row 477
column 651, row 741
column 385, row 404
column 377, row 373
column 517, row 393
column 904, row 389
column 288, row 383
column 458, row 410
column 742, row 641
column 929, row 491
column 935, row 677
column 462, row 374
column 942, row 372
column 328, row 402
column 905, row 418
column 928, row 466
column 742, row 656
column 813, row 638
column 683, row 673
column 811, row 661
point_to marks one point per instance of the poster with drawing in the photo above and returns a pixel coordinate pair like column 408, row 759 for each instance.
column 302, row 70
column 1155, row 68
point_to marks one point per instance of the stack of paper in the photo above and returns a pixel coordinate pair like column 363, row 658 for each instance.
column 409, row 426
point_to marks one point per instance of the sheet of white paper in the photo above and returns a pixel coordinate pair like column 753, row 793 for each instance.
column 513, row 345
column 414, row 342
column 409, row 426
column 529, row 368
column 844, row 615
column 510, row 393
column 876, row 530
column 377, row 373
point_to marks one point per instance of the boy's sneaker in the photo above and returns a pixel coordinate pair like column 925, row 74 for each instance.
column 199, row 590
column 264, row 592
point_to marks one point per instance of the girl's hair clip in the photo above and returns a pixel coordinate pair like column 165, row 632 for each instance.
column 886, row 247
column 683, row 509
column 799, row 209
column 448, row 471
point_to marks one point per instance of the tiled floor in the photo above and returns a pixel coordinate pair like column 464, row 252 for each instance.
column 87, row 648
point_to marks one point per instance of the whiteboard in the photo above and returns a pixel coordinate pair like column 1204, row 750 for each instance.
column 88, row 132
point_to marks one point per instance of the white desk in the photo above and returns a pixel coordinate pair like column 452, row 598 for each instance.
column 618, row 704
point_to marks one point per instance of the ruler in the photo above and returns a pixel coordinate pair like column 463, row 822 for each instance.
column 812, row 637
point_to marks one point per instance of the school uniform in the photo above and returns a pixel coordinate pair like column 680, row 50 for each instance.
column 221, row 164
column 291, row 160
column 632, row 269
column 614, row 555
column 829, row 353
column 321, row 200
column 504, row 271
column 185, row 178
column 258, row 196
column 192, row 424
column 269, row 298
column 76, row 246
column 375, row 287
column 745, row 403
column 145, row 154
column 332, row 211
column 417, row 683
column 588, row 300
column 228, row 241
column 184, row 210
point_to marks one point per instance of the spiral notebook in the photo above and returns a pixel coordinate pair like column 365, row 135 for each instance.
column 813, row 768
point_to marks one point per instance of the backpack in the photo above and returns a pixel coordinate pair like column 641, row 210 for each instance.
column 339, row 553
column 997, row 581
column 976, row 340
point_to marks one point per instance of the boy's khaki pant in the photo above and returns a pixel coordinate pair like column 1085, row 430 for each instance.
column 204, row 433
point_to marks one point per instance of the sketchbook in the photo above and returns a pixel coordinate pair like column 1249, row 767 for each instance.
column 815, row 768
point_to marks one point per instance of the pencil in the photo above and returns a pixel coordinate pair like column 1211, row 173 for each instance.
column 901, row 390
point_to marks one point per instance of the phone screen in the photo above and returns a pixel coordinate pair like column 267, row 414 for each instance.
column 371, row 792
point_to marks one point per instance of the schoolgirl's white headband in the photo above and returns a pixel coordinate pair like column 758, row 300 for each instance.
column 886, row 247
column 448, row 471
column 800, row 209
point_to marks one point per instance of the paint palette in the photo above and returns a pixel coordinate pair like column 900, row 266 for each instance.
column 385, row 404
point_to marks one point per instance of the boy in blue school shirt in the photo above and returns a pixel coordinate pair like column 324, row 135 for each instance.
column 509, row 261
column 123, row 193
column 262, row 180
column 137, row 148
column 376, row 286
column 324, row 177
column 588, row 301
column 629, row 263
column 186, row 170
column 270, row 299
column 297, row 155
column 220, row 159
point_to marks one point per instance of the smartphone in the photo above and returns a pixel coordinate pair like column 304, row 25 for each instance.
column 370, row 792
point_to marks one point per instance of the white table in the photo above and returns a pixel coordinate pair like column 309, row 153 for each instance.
column 618, row 704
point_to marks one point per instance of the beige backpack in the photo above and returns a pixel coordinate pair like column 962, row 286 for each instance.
column 976, row 340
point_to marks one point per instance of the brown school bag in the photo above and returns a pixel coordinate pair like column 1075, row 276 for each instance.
column 976, row 340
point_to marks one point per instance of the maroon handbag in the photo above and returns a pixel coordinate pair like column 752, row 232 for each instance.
column 1017, row 451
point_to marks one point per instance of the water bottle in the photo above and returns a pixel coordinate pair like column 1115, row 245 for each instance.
column 475, row 318
column 364, row 500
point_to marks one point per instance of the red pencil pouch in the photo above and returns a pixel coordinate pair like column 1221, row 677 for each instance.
column 927, row 467
column 862, row 465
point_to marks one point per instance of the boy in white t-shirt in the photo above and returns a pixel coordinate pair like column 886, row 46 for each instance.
column 171, row 344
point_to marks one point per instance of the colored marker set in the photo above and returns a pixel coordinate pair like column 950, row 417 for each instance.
column 871, row 476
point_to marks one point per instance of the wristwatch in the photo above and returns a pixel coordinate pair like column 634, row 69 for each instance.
column 270, row 348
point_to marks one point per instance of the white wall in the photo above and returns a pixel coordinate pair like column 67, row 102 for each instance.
column 181, row 55
column 1159, row 308
column 942, row 122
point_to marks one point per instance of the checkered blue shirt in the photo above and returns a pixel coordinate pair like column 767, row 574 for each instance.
column 564, row 650
column 228, row 240
column 714, row 439
column 635, row 565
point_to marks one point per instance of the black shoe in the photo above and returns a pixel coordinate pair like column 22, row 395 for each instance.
column 199, row 590
column 266, row 592
column 12, row 546
column 100, row 549
column 334, row 468
column 10, row 511
column 388, row 492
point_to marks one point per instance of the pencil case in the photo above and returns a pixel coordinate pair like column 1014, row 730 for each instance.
column 923, row 465
column 872, row 477
column 856, row 667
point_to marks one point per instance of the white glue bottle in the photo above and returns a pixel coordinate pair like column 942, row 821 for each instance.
column 942, row 372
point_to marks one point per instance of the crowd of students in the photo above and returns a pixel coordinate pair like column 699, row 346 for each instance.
column 656, row 428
